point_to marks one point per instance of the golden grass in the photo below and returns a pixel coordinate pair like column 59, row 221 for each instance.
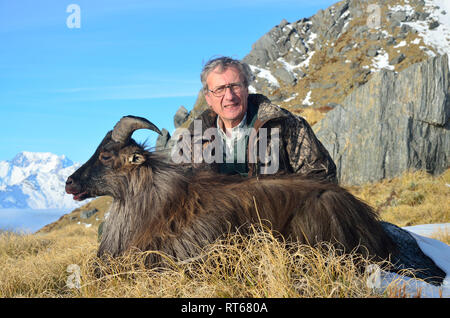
column 411, row 199
column 253, row 266
column 34, row 265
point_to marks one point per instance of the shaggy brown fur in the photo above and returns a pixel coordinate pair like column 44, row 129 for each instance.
column 161, row 207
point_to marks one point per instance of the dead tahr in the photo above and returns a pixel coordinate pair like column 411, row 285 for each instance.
column 158, row 206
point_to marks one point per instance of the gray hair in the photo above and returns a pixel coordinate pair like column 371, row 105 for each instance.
column 223, row 63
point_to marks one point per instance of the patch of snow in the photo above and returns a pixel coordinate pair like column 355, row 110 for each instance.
column 344, row 28
column 265, row 74
column 428, row 229
column 402, row 43
column 312, row 38
column 305, row 63
column 381, row 61
column 251, row 89
column 289, row 67
column 438, row 251
column 291, row 98
column 406, row 8
column 439, row 37
column 307, row 101
column 385, row 33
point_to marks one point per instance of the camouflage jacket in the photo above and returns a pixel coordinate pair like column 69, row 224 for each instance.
column 299, row 150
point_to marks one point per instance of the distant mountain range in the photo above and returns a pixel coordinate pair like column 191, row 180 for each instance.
column 34, row 180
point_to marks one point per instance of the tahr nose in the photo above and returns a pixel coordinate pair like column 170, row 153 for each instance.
column 69, row 181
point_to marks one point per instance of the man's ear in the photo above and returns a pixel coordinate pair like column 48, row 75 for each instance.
column 208, row 99
column 136, row 159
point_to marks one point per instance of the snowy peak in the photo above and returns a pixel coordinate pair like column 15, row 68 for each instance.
column 27, row 159
column 36, row 180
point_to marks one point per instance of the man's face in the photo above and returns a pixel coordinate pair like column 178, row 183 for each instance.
column 232, row 106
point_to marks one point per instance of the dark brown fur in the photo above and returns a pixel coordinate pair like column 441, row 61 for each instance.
column 157, row 207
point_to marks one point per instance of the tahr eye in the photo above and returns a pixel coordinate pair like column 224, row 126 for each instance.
column 105, row 156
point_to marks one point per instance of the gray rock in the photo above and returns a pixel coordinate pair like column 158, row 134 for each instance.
column 300, row 73
column 398, row 59
column 405, row 28
column 87, row 214
column 161, row 141
column 180, row 116
column 329, row 85
column 423, row 16
column 433, row 25
column 393, row 24
column 372, row 52
column 393, row 123
column 355, row 65
column 274, row 43
column 315, row 85
column 361, row 32
column 285, row 76
column 399, row 16
column 332, row 105
column 283, row 23
column 374, row 36
column 257, row 57
column 391, row 41
column 346, row 48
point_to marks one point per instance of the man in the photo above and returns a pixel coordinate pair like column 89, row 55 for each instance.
column 243, row 122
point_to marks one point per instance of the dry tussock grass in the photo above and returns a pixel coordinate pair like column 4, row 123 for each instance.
column 258, row 265
column 411, row 199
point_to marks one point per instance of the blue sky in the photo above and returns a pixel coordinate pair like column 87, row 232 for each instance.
column 62, row 89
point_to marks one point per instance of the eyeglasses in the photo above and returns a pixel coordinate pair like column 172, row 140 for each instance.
column 220, row 91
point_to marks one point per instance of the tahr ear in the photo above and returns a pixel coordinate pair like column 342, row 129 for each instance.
column 136, row 159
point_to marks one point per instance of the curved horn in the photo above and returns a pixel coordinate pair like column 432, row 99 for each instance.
column 127, row 125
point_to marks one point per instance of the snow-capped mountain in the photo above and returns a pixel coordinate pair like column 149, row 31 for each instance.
column 36, row 181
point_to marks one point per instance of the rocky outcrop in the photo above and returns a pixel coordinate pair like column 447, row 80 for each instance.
column 395, row 122
column 162, row 140
column 180, row 116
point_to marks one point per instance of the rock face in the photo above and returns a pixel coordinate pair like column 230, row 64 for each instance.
column 393, row 123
